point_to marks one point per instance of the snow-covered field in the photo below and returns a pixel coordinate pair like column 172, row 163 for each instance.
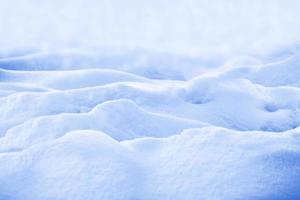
column 135, row 131
column 156, row 107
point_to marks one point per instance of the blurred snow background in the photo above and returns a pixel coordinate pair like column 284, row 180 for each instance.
column 189, row 27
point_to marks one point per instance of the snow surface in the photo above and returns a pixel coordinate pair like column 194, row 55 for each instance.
column 95, row 131
column 149, row 100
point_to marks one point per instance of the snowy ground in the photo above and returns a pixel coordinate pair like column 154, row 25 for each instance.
column 149, row 100
column 80, row 125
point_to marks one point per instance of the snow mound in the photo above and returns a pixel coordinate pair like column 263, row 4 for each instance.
column 241, row 105
column 282, row 73
column 129, row 122
column 66, row 80
column 63, row 168
column 222, row 164
column 137, row 61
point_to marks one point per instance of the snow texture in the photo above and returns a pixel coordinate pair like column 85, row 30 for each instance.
column 118, row 133
column 175, row 100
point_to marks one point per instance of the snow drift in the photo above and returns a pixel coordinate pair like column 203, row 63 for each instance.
column 149, row 100
column 116, row 133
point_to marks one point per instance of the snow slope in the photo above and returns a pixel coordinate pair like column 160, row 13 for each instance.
column 73, row 128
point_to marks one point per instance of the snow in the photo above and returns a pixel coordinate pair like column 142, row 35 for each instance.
column 141, row 100
column 273, row 74
column 222, row 164
column 228, row 132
